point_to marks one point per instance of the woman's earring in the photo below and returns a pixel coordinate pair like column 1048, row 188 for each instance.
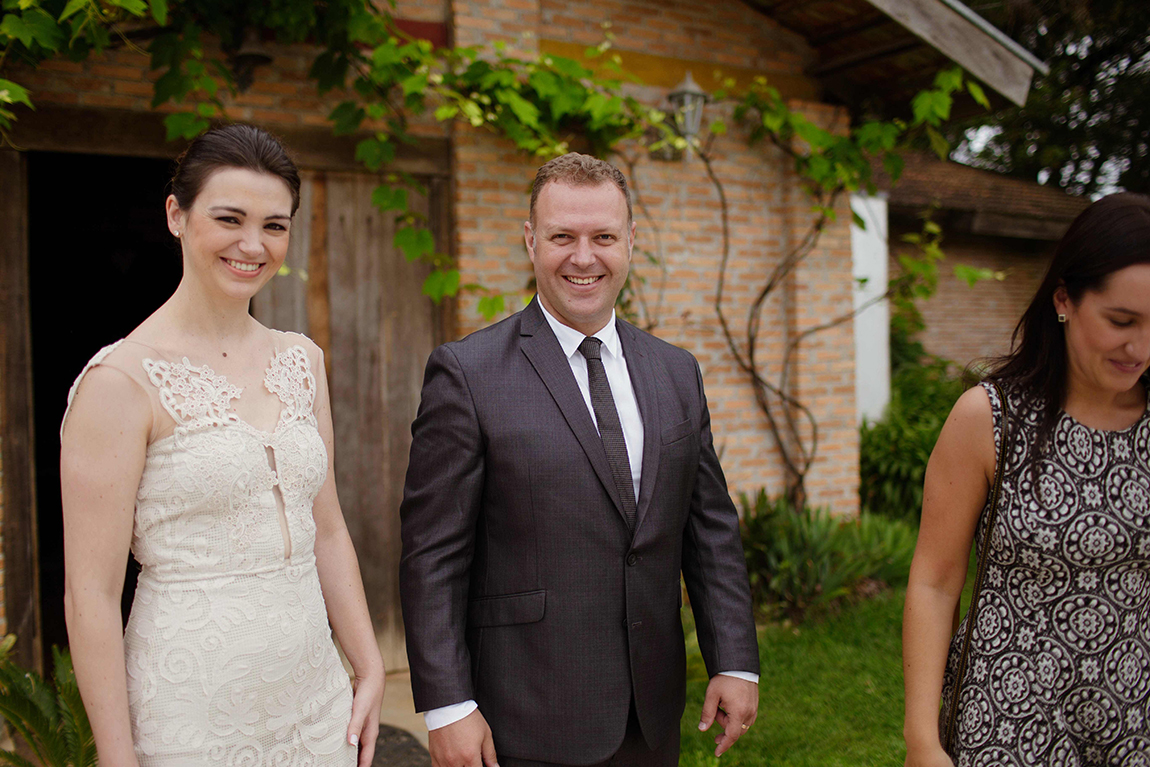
column 1061, row 320
column 1061, row 317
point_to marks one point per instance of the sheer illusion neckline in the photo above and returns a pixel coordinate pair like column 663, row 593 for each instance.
column 218, row 399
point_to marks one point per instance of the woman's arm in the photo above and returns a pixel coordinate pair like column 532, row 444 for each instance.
column 343, row 590
column 958, row 478
column 101, row 459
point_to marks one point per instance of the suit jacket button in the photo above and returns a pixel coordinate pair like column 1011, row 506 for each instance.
column 631, row 560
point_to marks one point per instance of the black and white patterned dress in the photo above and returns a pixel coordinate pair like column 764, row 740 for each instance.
column 1058, row 671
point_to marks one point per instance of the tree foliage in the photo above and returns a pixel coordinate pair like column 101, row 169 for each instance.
column 1086, row 125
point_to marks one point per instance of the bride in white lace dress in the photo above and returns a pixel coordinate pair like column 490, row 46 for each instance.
column 202, row 442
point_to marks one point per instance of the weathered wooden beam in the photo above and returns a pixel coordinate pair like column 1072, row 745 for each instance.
column 318, row 295
column 17, row 445
column 784, row 7
column 1020, row 227
column 854, row 27
column 142, row 134
column 866, row 55
column 964, row 43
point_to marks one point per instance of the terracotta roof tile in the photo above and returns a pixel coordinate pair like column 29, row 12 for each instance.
column 927, row 180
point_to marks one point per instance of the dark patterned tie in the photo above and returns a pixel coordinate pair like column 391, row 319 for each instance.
column 610, row 429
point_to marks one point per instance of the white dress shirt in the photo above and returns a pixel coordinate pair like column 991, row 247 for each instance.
column 627, row 406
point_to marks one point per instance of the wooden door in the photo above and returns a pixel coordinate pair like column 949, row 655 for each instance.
column 352, row 291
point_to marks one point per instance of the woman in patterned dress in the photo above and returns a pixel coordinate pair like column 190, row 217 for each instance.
column 202, row 442
column 1058, row 667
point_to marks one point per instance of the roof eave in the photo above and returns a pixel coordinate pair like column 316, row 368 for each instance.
column 968, row 40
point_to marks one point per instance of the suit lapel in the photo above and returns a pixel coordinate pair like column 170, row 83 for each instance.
column 641, row 367
column 542, row 349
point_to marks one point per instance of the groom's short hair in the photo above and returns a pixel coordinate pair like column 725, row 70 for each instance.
column 579, row 170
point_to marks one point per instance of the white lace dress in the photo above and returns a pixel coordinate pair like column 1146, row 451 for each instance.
column 230, row 658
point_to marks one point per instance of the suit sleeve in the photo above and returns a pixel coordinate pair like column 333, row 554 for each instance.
column 714, row 568
column 441, row 501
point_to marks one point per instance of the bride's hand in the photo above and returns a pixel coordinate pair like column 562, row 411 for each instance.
column 365, row 706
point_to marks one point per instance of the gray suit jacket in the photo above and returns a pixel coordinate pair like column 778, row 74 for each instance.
column 522, row 587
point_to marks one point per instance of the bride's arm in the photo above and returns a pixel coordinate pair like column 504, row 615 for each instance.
column 343, row 589
column 102, row 457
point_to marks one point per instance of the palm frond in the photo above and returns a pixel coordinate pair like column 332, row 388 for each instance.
column 77, row 730
column 50, row 718
column 7, row 757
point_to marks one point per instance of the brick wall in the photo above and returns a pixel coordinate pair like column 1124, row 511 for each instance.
column 768, row 215
column 965, row 323
column 281, row 94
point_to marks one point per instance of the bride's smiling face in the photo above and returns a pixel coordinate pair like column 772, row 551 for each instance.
column 235, row 232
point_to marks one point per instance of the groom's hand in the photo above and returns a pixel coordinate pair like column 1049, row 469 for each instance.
column 466, row 743
column 734, row 704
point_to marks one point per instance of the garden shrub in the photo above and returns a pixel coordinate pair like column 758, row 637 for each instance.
column 893, row 452
column 806, row 561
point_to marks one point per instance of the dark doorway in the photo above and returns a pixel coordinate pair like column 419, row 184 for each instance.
column 100, row 261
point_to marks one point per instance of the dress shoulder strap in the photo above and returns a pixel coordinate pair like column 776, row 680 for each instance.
column 96, row 360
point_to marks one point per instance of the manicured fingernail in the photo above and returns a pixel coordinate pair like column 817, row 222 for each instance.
column 702, row 726
column 353, row 739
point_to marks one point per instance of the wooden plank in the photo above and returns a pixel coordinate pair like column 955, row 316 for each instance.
column 282, row 304
column 21, row 565
column 866, row 55
column 1023, row 227
column 382, row 330
column 141, row 134
column 318, row 296
column 964, row 43
column 666, row 72
column 408, row 336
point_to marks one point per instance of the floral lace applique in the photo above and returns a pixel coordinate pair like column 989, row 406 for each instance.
column 195, row 396
column 289, row 377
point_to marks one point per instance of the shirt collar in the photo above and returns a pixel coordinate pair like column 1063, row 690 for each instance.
column 570, row 338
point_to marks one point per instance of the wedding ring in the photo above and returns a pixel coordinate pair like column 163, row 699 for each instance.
column 744, row 726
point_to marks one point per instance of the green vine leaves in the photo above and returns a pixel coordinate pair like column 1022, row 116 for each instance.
column 542, row 105
column 32, row 31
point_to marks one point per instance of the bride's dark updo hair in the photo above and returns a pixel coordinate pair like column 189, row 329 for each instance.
column 232, row 146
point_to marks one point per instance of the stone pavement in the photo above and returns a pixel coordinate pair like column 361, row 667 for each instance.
column 402, row 734
column 398, row 748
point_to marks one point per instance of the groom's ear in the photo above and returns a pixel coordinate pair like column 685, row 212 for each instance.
column 529, row 240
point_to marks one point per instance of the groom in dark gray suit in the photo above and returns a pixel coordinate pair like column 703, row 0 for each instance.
column 562, row 476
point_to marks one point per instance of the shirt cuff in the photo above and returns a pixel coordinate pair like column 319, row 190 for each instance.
column 441, row 717
column 746, row 676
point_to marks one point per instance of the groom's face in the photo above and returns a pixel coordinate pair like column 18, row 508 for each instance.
column 580, row 245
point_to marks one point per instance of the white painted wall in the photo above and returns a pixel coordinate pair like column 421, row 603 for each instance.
column 870, row 257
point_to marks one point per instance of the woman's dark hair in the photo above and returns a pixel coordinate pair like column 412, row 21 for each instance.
column 1110, row 235
column 232, row 146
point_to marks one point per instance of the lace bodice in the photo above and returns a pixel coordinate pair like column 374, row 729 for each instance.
column 213, row 492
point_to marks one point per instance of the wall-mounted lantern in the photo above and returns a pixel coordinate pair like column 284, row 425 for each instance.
column 687, row 101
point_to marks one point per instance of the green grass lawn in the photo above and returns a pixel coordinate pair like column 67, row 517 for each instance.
column 830, row 694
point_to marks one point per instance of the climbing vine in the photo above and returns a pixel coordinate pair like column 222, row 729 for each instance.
column 827, row 165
